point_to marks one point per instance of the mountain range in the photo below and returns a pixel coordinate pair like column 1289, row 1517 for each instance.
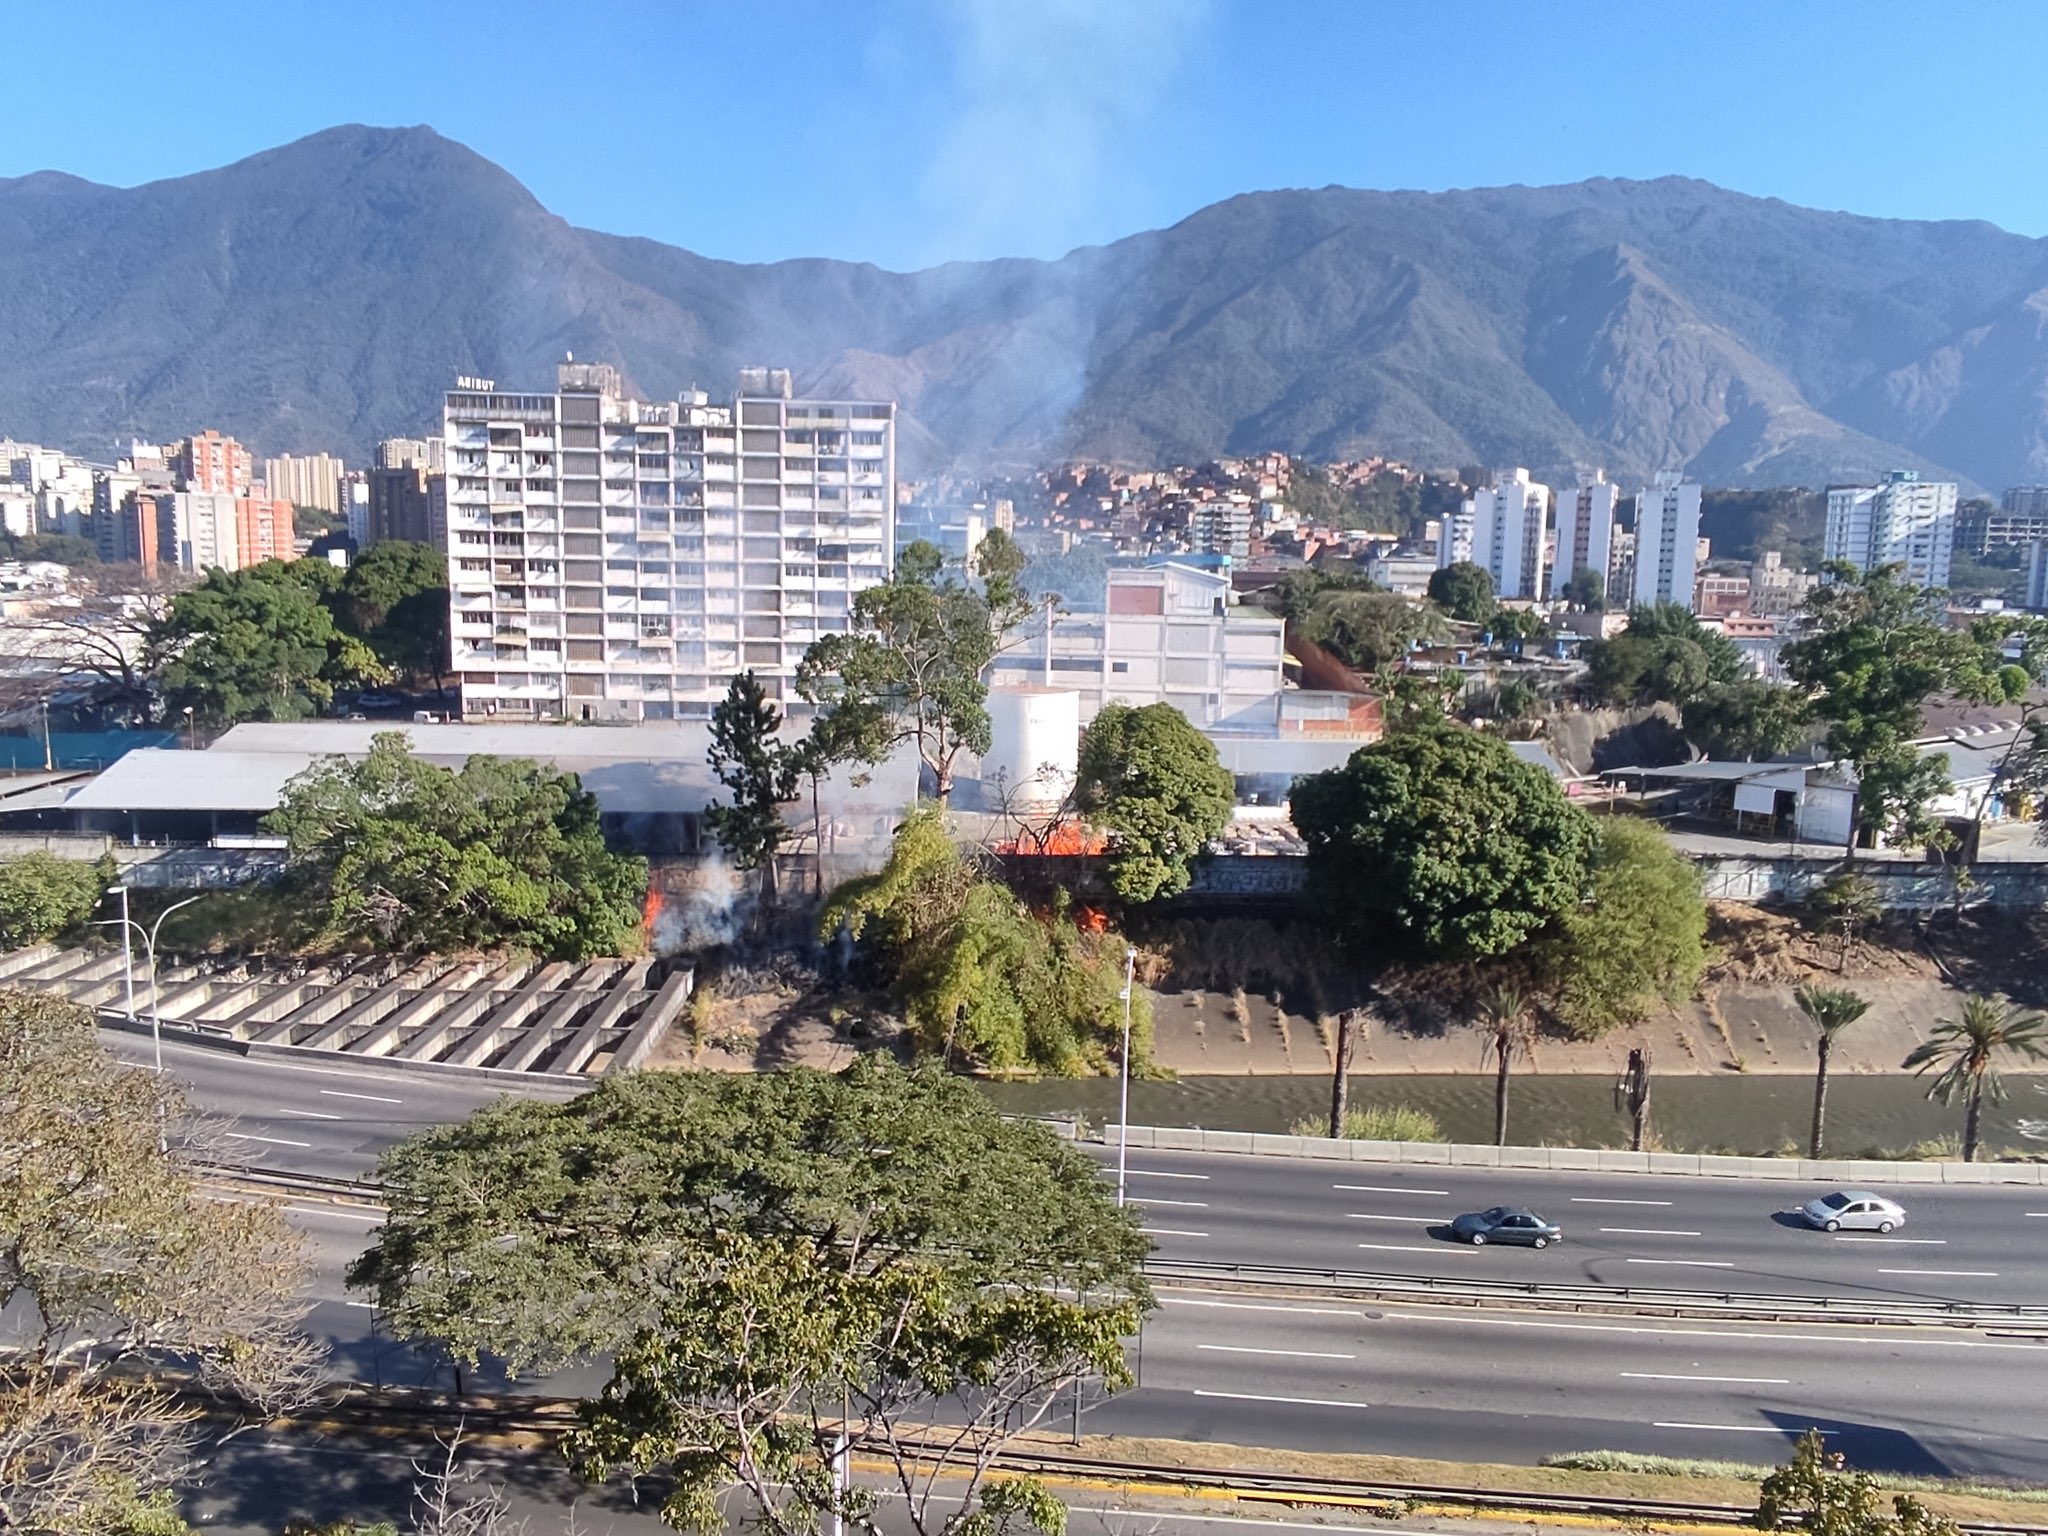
column 323, row 294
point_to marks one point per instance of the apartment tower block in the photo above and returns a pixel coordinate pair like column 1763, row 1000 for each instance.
column 1906, row 521
column 1667, row 541
column 619, row 559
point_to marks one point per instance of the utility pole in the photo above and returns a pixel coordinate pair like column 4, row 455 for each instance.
column 1123, row 1110
column 128, row 959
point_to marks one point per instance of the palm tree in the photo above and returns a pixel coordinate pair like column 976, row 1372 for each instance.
column 1966, row 1051
column 1832, row 1010
column 1507, row 1023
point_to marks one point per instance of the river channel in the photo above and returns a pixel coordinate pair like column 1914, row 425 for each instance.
column 1758, row 1115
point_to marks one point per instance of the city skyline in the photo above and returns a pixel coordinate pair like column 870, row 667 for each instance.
column 1015, row 134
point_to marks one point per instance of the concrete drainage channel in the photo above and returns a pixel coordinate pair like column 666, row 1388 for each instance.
column 486, row 1015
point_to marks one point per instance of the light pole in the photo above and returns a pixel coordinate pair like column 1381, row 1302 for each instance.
column 128, row 955
column 1123, row 1110
column 191, row 730
column 156, row 1023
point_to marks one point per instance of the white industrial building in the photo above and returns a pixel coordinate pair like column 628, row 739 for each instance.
column 617, row 559
column 1666, row 542
column 1906, row 521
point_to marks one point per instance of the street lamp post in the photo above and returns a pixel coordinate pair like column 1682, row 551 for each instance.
column 156, row 1023
column 149, row 936
column 1123, row 1110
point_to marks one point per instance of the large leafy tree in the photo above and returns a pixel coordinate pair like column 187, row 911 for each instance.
column 1664, row 655
column 914, row 665
column 42, row 896
column 1963, row 1054
column 1830, row 1010
column 404, row 854
column 1878, row 650
column 1154, row 781
column 984, row 979
column 394, row 596
column 1748, row 720
column 101, row 638
column 758, row 769
column 767, row 1261
column 258, row 644
column 1816, row 1493
column 1367, row 630
column 1464, row 591
column 1637, row 938
column 1447, row 833
column 122, row 1280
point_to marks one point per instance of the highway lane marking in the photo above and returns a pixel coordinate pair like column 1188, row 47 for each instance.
column 1936, row 1242
column 1150, row 1173
column 279, row 1066
column 1260, row 1306
column 275, row 1141
column 306, row 1114
column 1388, row 1189
column 1171, row 1232
column 1372, row 1216
column 1733, row 1429
column 1290, row 1354
column 1198, row 1205
column 1257, row 1397
column 1414, row 1248
column 1961, row 1274
column 1600, row 1200
column 1755, row 1381
column 373, row 1098
column 1688, row 1263
column 335, row 1210
column 1859, row 1341
column 1651, row 1231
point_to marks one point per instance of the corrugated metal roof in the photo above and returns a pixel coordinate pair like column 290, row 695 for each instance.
column 166, row 779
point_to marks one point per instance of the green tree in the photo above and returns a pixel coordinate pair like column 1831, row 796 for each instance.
column 1464, row 591
column 760, row 771
column 1154, row 781
column 253, row 644
column 1963, row 1054
column 919, row 651
column 1816, row 1493
column 1847, row 904
column 1509, row 1032
column 1664, row 655
column 1587, row 590
column 1367, row 630
column 404, row 854
column 394, row 597
column 983, row 978
column 1830, row 1010
column 767, row 1259
column 126, row 1281
column 1445, row 831
column 1877, row 651
column 1637, row 939
column 1748, row 720
column 1295, row 594
column 42, row 896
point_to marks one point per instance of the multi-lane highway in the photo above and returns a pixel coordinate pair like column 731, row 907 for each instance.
column 1331, row 1373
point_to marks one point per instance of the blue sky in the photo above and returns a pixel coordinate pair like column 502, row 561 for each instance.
column 913, row 131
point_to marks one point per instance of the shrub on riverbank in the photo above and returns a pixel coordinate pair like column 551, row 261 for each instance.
column 1377, row 1122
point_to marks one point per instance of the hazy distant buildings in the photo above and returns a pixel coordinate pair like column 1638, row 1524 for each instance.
column 310, row 480
column 1906, row 521
column 1774, row 590
column 619, row 559
column 212, row 464
column 2019, row 519
column 1585, row 531
column 1221, row 526
column 1666, row 542
column 1454, row 536
column 1509, row 521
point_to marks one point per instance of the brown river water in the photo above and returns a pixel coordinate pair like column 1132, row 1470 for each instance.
column 1867, row 1116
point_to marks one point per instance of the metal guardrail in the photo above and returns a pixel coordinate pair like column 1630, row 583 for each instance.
column 1460, row 1288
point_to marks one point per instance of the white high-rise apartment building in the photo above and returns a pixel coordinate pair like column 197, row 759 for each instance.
column 1585, row 530
column 1667, row 541
column 306, row 480
column 619, row 559
column 1454, row 536
column 1509, row 520
column 1906, row 521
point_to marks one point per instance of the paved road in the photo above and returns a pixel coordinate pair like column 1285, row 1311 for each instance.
column 1966, row 1243
column 1459, row 1383
column 1960, row 1242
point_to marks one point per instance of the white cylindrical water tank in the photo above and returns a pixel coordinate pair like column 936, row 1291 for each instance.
column 1036, row 746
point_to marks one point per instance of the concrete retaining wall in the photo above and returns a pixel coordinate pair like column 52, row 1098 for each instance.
column 1579, row 1159
column 1901, row 886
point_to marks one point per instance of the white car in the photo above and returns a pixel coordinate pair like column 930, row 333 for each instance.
column 1854, row 1210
